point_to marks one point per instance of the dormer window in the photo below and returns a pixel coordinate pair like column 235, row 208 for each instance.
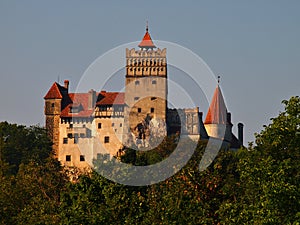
column 74, row 109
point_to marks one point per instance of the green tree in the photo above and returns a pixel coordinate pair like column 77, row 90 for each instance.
column 20, row 144
column 31, row 178
column 269, row 190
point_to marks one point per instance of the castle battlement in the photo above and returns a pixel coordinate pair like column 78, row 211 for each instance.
column 151, row 53
column 146, row 62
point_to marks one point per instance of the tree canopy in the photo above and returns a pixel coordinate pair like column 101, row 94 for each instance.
column 257, row 185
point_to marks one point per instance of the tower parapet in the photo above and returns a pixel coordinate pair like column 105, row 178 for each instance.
column 146, row 62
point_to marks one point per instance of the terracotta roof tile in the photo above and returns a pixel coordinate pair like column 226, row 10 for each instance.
column 55, row 92
column 147, row 41
column 111, row 98
column 217, row 112
column 81, row 100
column 77, row 100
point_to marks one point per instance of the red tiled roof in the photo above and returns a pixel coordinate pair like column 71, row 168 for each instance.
column 111, row 98
column 81, row 100
column 147, row 41
column 217, row 112
column 77, row 100
column 55, row 92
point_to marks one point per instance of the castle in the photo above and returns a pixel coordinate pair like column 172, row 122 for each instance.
column 84, row 125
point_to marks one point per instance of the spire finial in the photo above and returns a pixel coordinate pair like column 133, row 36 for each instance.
column 219, row 80
column 147, row 26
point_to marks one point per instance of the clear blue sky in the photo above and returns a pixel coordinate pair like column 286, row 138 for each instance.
column 254, row 45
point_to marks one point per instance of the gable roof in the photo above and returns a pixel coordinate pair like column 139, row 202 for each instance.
column 111, row 98
column 217, row 112
column 147, row 41
column 81, row 100
column 55, row 92
column 77, row 100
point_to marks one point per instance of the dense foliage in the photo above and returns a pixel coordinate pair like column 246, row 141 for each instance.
column 258, row 185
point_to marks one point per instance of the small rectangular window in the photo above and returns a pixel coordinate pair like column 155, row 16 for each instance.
column 106, row 139
column 70, row 135
column 112, row 124
column 75, row 138
column 139, row 110
column 68, row 158
column 82, row 135
column 74, row 109
column 82, row 158
column 136, row 98
column 153, row 98
column 152, row 110
column 99, row 125
column 154, row 82
column 88, row 133
column 65, row 140
column 52, row 105
column 120, row 124
column 71, row 125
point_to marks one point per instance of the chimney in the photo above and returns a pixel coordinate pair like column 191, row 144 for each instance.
column 66, row 82
column 92, row 99
column 201, row 116
column 229, row 117
column 240, row 133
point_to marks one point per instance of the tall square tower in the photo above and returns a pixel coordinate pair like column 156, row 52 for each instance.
column 146, row 91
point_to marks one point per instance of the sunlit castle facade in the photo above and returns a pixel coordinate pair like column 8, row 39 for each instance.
column 83, row 126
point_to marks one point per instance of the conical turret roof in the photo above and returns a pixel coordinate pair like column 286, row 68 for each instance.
column 147, row 41
column 217, row 112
